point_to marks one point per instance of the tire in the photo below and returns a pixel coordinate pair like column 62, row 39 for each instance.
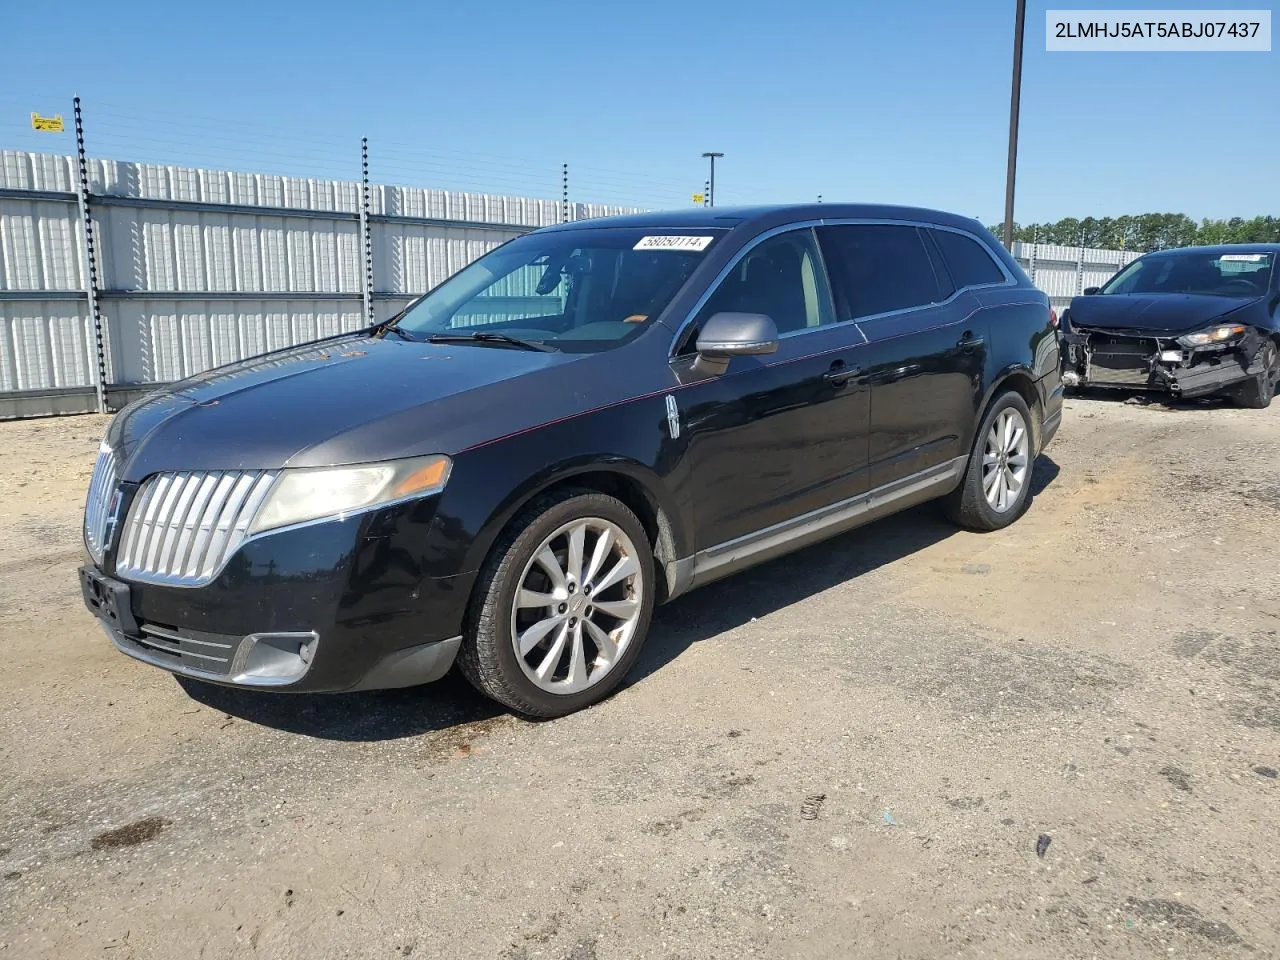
column 969, row 505
column 1256, row 394
column 544, row 683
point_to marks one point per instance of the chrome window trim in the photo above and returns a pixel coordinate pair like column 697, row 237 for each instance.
column 1009, row 280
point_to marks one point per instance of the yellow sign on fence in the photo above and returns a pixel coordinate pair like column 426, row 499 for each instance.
column 52, row 124
column 699, row 197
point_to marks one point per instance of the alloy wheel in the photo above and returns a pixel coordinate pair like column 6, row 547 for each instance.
column 577, row 606
column 1006, row 462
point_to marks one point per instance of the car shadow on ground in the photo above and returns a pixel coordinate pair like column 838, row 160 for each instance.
column 371, row 716
column 721, row 606
column 759, row 591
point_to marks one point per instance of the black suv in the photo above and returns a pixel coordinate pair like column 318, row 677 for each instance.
column 588, row 420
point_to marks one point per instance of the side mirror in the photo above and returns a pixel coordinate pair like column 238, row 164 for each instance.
column 727, row 335
column 1090, row 291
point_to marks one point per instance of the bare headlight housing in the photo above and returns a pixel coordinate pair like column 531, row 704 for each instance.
column 1224, row 333
column 319, row 493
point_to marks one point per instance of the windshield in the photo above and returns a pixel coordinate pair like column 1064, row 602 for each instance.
column 572, row 290
column 1215, row 274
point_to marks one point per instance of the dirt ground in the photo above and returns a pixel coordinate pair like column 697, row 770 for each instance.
column 860, row 750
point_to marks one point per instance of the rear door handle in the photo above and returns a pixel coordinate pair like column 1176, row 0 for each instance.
column 969, row 341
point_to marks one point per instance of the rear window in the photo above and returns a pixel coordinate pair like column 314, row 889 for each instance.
column 967, row 259
column 880, row 268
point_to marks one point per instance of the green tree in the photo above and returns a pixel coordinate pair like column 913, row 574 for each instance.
column 1144, row 232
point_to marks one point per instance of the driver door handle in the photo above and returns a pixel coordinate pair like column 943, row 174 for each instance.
column 840, row 374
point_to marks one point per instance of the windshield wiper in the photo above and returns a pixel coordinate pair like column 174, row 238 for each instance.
column 491, row 338
column 392, row 323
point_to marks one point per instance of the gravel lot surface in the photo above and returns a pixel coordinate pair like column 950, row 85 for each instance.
column 1060, row 740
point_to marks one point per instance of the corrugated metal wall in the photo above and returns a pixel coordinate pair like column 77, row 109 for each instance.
column 1064, row 272
column 197, row 268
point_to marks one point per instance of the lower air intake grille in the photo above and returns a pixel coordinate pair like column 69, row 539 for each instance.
column 182, row 527
column 204, row 652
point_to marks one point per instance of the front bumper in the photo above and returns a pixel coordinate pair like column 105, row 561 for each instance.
column 1092, row 359
column 327, row 607
column 287, row 668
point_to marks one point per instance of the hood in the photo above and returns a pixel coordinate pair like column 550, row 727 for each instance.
column 1158, row 314
column 267, row 411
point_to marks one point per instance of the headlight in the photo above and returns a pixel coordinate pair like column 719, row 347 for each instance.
column 313, row 494
column 1220, row 334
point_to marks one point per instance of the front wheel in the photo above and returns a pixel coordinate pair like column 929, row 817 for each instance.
column 562, row 607
column 1256, row 393
column 997, row 481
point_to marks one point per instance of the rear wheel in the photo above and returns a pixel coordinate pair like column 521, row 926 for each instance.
column 1256, row 393
column 998, row 479
column 562, row 607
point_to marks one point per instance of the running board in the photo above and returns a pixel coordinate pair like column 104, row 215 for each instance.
column 731, row 556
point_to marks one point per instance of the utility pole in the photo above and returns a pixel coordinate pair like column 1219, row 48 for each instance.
column 706, row 191
column 711, row 184
column 1015, row 96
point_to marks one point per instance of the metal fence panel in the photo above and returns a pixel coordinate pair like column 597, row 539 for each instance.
column 1063, row 272
column 198, row 268
column 44, row 345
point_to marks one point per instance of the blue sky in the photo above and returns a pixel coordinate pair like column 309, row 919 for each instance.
column 896, row 102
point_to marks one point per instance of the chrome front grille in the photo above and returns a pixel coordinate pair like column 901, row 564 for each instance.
column 97, row 506
column 182, row 527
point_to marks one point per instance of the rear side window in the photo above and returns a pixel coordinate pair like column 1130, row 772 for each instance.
column 879, row 268
column 969, row 262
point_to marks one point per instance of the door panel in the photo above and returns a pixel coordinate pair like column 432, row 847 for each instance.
column 776, row 436
column 925, row 370
column 768, row 441
column 926, row 348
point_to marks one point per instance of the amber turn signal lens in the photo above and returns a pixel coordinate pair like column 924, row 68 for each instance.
column 433, row 474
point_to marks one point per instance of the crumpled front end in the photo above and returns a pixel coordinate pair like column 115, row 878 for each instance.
column 1130, row 360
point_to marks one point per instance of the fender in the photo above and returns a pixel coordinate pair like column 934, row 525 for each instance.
column 1000, row 379
column 998, row 382
column 672, row 526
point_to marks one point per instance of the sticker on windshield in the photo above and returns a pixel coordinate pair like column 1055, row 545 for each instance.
column 673, row 243
column 1243, row 257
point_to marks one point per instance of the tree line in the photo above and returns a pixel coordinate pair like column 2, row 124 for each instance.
column 1146, row 231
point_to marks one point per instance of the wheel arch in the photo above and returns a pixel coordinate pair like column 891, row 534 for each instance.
column 631, row 482
column 1019, row 379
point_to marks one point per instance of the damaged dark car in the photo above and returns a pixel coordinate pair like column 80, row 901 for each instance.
column 1195, row 322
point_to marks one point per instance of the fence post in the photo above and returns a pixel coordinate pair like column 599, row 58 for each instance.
column 1080, row 265
column 91, row 265
column 564, row 193
column 366, row 236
